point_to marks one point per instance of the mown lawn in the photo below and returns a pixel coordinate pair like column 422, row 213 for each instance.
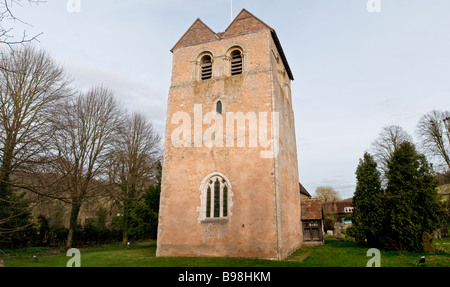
column 331, row 254
column 348, row 254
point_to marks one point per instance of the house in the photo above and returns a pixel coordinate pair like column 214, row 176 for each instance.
column 339, row 211
column 343, row 207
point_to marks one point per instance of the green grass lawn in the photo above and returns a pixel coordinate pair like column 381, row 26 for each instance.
column 348, row 254
column 331, row 254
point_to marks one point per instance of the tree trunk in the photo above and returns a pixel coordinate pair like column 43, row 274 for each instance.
column 5, row 191
column 73, row 223
column 126, row 220
column 125, row 237
column 5, row 172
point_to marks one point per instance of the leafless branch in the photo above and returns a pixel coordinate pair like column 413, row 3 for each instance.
column 84, row 131
column 131, row 164
column 7, row 15
column 388, row 141
column 433, row 131
column 30, row 86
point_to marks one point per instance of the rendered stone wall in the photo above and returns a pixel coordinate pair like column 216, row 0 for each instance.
column 264, row 202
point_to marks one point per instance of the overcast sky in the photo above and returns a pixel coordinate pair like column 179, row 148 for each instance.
column 355, row 71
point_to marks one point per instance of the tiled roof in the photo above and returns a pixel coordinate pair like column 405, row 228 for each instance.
column 244, row 23
column 311, row 209
column 304, row 191
column 198, row 33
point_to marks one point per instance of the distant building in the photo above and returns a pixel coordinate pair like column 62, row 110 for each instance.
column 343, row 207
column 339, row 210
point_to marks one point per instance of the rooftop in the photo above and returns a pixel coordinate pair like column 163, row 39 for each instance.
column 311, row 209
column 244, row 23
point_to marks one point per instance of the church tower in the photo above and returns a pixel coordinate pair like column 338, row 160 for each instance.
column 230, row 174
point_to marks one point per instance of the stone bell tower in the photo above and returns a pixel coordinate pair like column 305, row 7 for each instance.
column 230, row 173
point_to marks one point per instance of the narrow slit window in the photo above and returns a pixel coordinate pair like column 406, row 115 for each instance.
column 206, row 66
column 219, row 107
column 236, row 63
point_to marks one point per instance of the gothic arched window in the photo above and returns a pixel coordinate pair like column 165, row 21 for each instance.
column 216, row 192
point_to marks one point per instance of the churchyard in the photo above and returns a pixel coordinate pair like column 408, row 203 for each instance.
column 333, row 253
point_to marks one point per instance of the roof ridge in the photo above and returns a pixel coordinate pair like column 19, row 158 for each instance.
column 251, row 15
column 254, row 25
column 189, row 29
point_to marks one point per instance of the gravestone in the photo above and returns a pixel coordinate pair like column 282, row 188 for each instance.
column 2, row 264
column 427, row 243
column 444, row 231
column 330, row 232
column 437, row 234
column 337, row 231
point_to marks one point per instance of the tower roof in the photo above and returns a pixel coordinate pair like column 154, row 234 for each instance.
column 198, row 33
column 244, row 23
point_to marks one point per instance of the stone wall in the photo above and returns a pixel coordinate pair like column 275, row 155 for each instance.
column 263, row 198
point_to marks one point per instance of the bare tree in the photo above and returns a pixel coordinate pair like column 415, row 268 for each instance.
column 133, row 161
column 433, row 131
column 327, row 194
column 31, row 85
column 388, row 141
column 7, row 15
column 85, row 130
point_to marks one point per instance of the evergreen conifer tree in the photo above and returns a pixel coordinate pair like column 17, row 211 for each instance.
column 412, row 205
column 368, row 211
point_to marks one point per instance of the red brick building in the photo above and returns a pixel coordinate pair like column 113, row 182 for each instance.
column 339, row 211
column 343, row 207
